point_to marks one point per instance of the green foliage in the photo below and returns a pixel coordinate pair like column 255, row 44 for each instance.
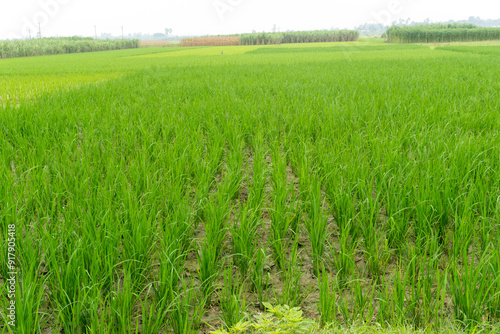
column 278, row 319
column 299, row 37
column 51, row 46
column 440, row 33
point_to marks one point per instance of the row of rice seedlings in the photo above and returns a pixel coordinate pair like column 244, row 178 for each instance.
column 248, row 254
column 256, row 191
column 187, row 310
column 472, row 287
column 282, row 213
column 316, row 223
column 328, row 300
column 344, row 258
column 217, row 211
column 292, row 293
column 209, row 251
column 232, row 299
column 244, row 236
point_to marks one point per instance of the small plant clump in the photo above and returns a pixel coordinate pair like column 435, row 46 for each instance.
column 277, row 319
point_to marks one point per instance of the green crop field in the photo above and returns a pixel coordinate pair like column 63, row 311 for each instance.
column 180, row 190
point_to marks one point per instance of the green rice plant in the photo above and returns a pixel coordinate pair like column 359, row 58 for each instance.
column 377, row 253
column 494, row 300
column 259, row 279
column 169, row 275
column 284, row 214
column 383, row 299
column 31, row 284
column 233, row 175
column 29, row 298
column 376, row 245
column 67, row 297
column 280, row 224
column 344, row 210
column 343, row 258
column 137, row 247
column 187, row 311
column 362, row 298
column 316, row 225
column 153, row 317
column 210, row 249
column 232, row 299
column 292, row 293
column 121, row 302
column 471, row 288
column 256, row 192
column 327, row 305
column 397, row 232
column 397, row 299
column 462, row 235
column 486, row 231
column 433, row 209
column 244, row 236
column 208, row 268
column 217, row 209
column 100, row 316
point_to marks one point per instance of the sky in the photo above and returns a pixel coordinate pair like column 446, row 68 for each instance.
column 21, row 18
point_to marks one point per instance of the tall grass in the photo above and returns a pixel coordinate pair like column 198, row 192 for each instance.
column 440, row 33
column 52, row 45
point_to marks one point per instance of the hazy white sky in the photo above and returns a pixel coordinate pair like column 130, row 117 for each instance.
column 202, row 17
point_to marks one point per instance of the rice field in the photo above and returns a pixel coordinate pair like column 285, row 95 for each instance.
column 174, row 190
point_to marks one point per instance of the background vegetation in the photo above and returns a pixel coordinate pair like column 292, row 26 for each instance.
column 439, row 33
column 49, row 46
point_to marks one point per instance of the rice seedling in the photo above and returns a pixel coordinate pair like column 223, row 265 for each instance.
column 187, row 310
column 344, row 259
column 232, row 299
column 281, row 214
column 472, row 289
column 259, row 278
column 327, row 305
column 244, row 236
column 292, row 293
column 121, row 301
column 316, row 225
column 208, row 269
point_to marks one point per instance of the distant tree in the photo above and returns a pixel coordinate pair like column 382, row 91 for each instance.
column 168, row 31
